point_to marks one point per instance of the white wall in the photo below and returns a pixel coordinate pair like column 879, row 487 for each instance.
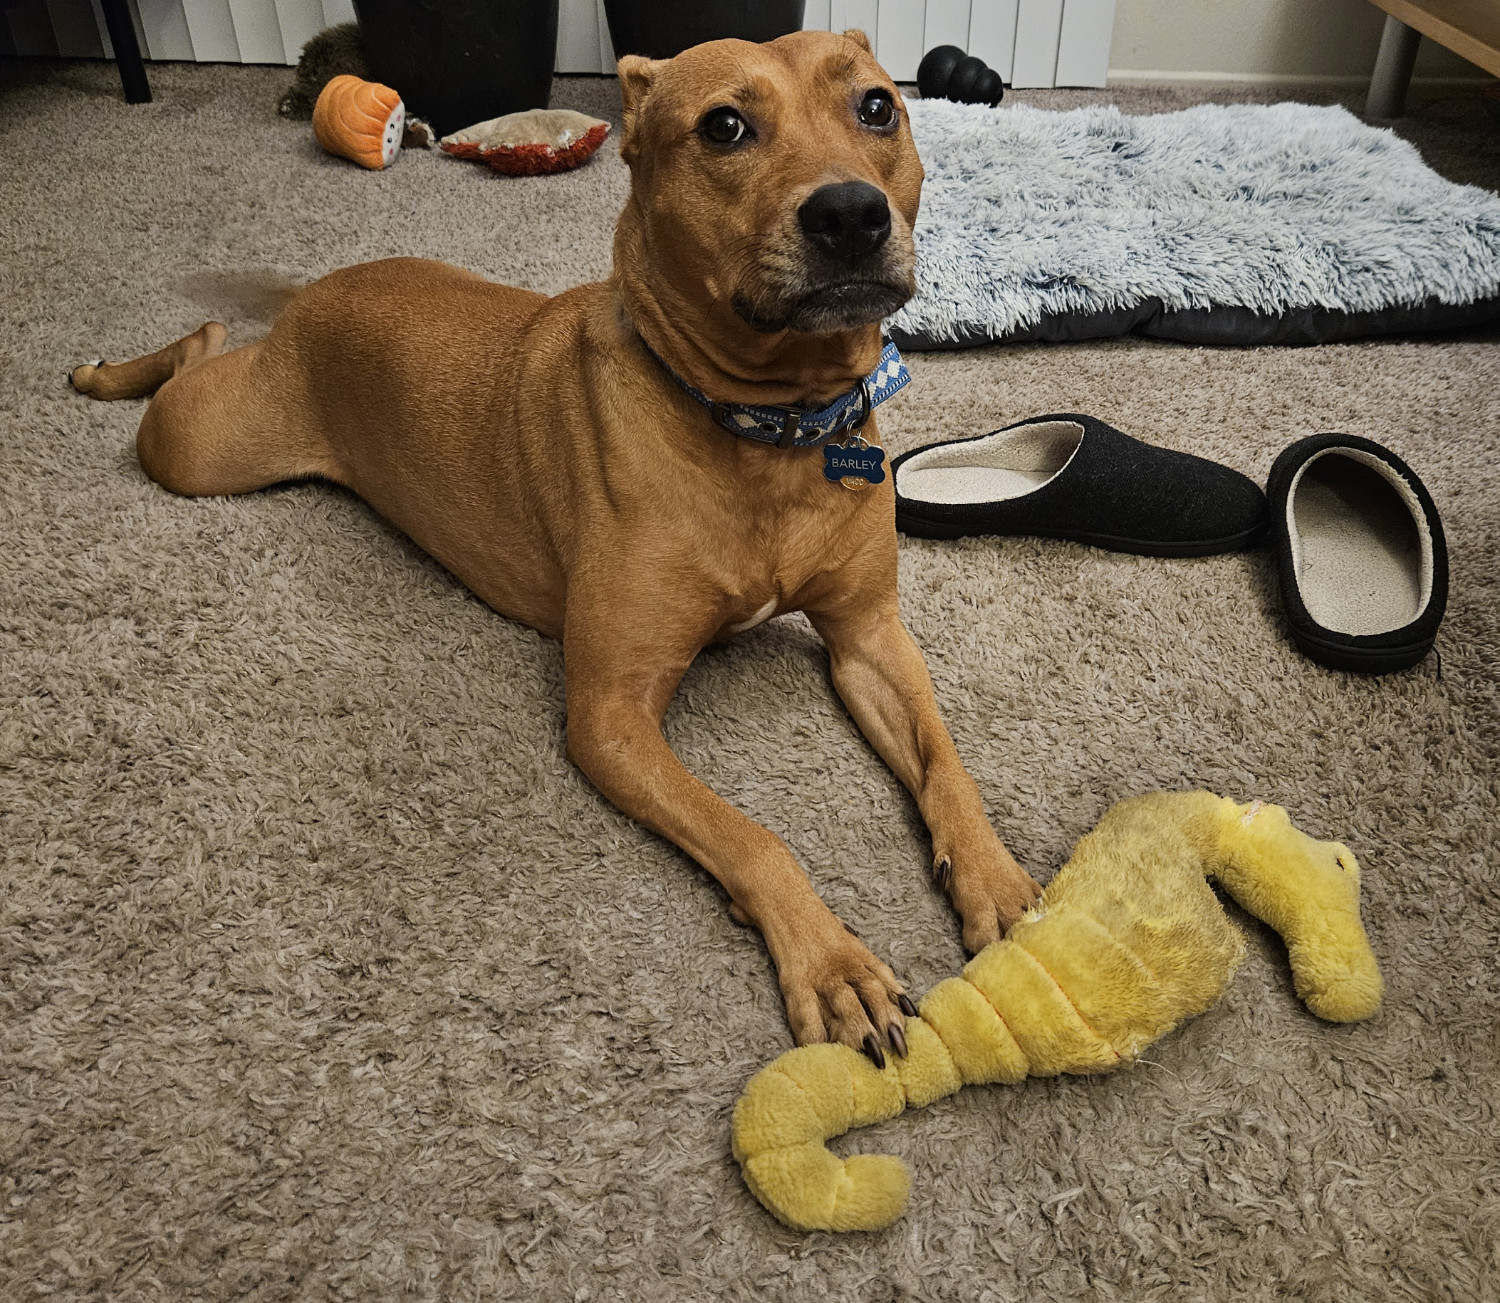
column 1258, row 40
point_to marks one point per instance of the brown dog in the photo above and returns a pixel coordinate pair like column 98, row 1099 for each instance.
column 538, row 450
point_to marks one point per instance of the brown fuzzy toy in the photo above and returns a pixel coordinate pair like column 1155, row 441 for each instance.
column 338, row 52
column 333, row 52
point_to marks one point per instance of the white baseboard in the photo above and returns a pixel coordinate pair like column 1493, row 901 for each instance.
column 1177, row 77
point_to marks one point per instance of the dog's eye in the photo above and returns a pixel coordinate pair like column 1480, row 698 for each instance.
column 877, row 109
column 723, row 126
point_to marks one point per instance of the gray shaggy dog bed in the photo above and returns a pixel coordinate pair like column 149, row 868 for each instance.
column 1223, row 224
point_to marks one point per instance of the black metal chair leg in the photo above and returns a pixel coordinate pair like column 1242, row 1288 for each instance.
column 127, row 51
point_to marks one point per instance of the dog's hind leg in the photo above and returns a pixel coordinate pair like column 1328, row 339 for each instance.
column 143, row 376
column 218, row 423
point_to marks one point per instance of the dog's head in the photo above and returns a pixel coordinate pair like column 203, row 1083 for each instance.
column 776, row 182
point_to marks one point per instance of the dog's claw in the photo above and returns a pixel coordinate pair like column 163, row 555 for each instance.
column 898, row 1039
column 907, row 1007
column 836, row 990
column 942, row 872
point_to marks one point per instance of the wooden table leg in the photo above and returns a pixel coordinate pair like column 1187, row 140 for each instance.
column 1393, row 65
column 127, row 51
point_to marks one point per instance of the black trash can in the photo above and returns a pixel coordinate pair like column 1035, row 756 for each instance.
column 661, row 28
column 458, row 62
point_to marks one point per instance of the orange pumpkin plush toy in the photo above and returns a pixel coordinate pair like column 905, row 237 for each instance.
column 360, row 120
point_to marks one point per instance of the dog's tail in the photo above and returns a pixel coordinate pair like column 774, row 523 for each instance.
column 249, row 294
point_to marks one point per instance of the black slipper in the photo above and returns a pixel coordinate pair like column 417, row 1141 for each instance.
column 1360, row 554
column 1071, row 476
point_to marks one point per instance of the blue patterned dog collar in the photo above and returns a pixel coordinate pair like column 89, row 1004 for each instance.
column 803, row 427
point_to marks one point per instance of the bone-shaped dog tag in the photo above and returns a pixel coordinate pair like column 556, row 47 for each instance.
column 856, row 465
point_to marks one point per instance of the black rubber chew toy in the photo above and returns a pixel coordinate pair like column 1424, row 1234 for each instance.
column 946, row 72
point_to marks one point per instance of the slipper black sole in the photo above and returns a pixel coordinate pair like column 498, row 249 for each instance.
column 1360, row 660
column 916, row 527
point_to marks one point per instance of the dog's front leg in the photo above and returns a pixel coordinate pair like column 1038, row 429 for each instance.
column 883, row 680
column 618, row 688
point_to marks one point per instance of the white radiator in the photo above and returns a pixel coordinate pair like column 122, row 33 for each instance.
column 1029, row 42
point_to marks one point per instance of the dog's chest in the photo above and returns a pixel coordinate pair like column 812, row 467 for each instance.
column 763, row 613
column 772, row 579
column 772, row 540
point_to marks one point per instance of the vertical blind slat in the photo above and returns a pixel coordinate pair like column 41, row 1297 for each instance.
column 1037, row 25
column 31, row 29
column 299, row 21
column 578, row 36
column 103, row 28
column 607, row 58
column 992, row 34
column 166, row 30
column 947, row 24
column 863, row 14
column 74, row 28
column 257, row 31
column 898, row 36
column 211, row 26
column 1088, row 27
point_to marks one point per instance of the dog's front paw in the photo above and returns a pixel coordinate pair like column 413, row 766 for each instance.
column 836, row 990
column 989, row 890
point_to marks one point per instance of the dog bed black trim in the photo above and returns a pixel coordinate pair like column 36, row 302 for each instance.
column 1226, row 325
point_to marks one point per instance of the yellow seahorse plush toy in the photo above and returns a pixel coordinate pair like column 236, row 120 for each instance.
column 1127, row 941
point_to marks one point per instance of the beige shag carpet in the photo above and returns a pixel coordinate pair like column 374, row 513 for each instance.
column 325, row 976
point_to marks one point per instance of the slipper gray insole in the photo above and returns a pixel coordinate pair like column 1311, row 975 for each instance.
column 1360, row 563
column 1003, row 465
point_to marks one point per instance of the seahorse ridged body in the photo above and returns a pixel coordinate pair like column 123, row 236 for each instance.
column 1127, row 941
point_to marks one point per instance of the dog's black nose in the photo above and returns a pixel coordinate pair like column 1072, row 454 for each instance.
column 846, row 220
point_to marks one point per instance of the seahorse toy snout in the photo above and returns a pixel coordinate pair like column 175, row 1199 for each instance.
column 1127, row 941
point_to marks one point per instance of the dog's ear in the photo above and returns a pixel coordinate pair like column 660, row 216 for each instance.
column 859, row 38
column 636, row 76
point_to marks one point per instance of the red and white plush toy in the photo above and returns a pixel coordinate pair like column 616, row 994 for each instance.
column 530, row 143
